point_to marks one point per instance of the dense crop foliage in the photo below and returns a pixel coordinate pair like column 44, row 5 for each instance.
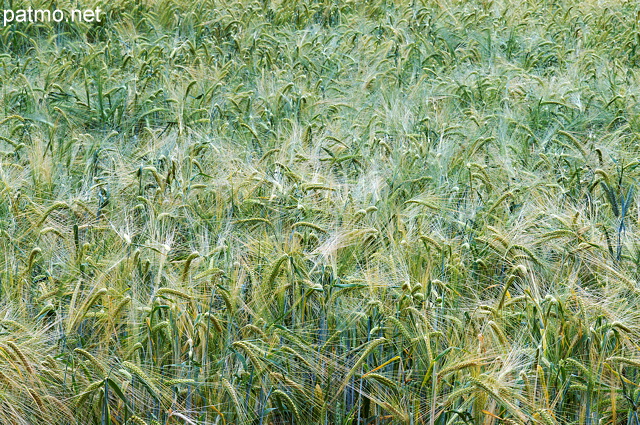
column 323, row 212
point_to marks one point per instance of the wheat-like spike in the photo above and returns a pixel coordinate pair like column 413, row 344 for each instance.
column 284, row 397
column 481, row 169
column 21, row 355
column 575, row 142
column 136, row 420
column 310, row 225
column 530, row 254
column 37, row 399
column 14, row 325
column 214, row 321
column 621, row 326
column 166, row 356
column 92, row 359
column 5, row 379
column 488, row 308
column 499, row 333
column 330, row 340
column 86, row 306
column 557, row 234
column 234, row 396
column 96, row 314
column 288, row 382
column 121, row 304
column 268, row 154
column 187, row 264
column 85, row 370
column 515, row 300
column 514, row 410
column 254, row 220
column 505, row 290
column 401, row 417
column 401, row 327
column 460, row 365
column 292, row 337
column 428, row 240
column 256, row 330
column 47, row 295
column 52, row 375
column 275, row 270
column 55, row 206
column 511, row 422
column 454, row 395
column 319, row 395
column 578, row 387
column 369, row 347
column 382, row 379
column 171, row 382
column 144, row 379
column 252, row 351
column 546, row 417
column 299, row 356
column 62, row 407
column 35, row 251
column 313, row 186
column 581, row 367
column 603, row 174
column 160, row 326
column 630, row 362
column 137, row 346
column 88, row 391
column 174, row 292
column 542, row 379
column 493, row 207
column 528, row 388
column 227, row 300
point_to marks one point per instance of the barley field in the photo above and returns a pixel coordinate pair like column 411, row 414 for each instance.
column 369, row 212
